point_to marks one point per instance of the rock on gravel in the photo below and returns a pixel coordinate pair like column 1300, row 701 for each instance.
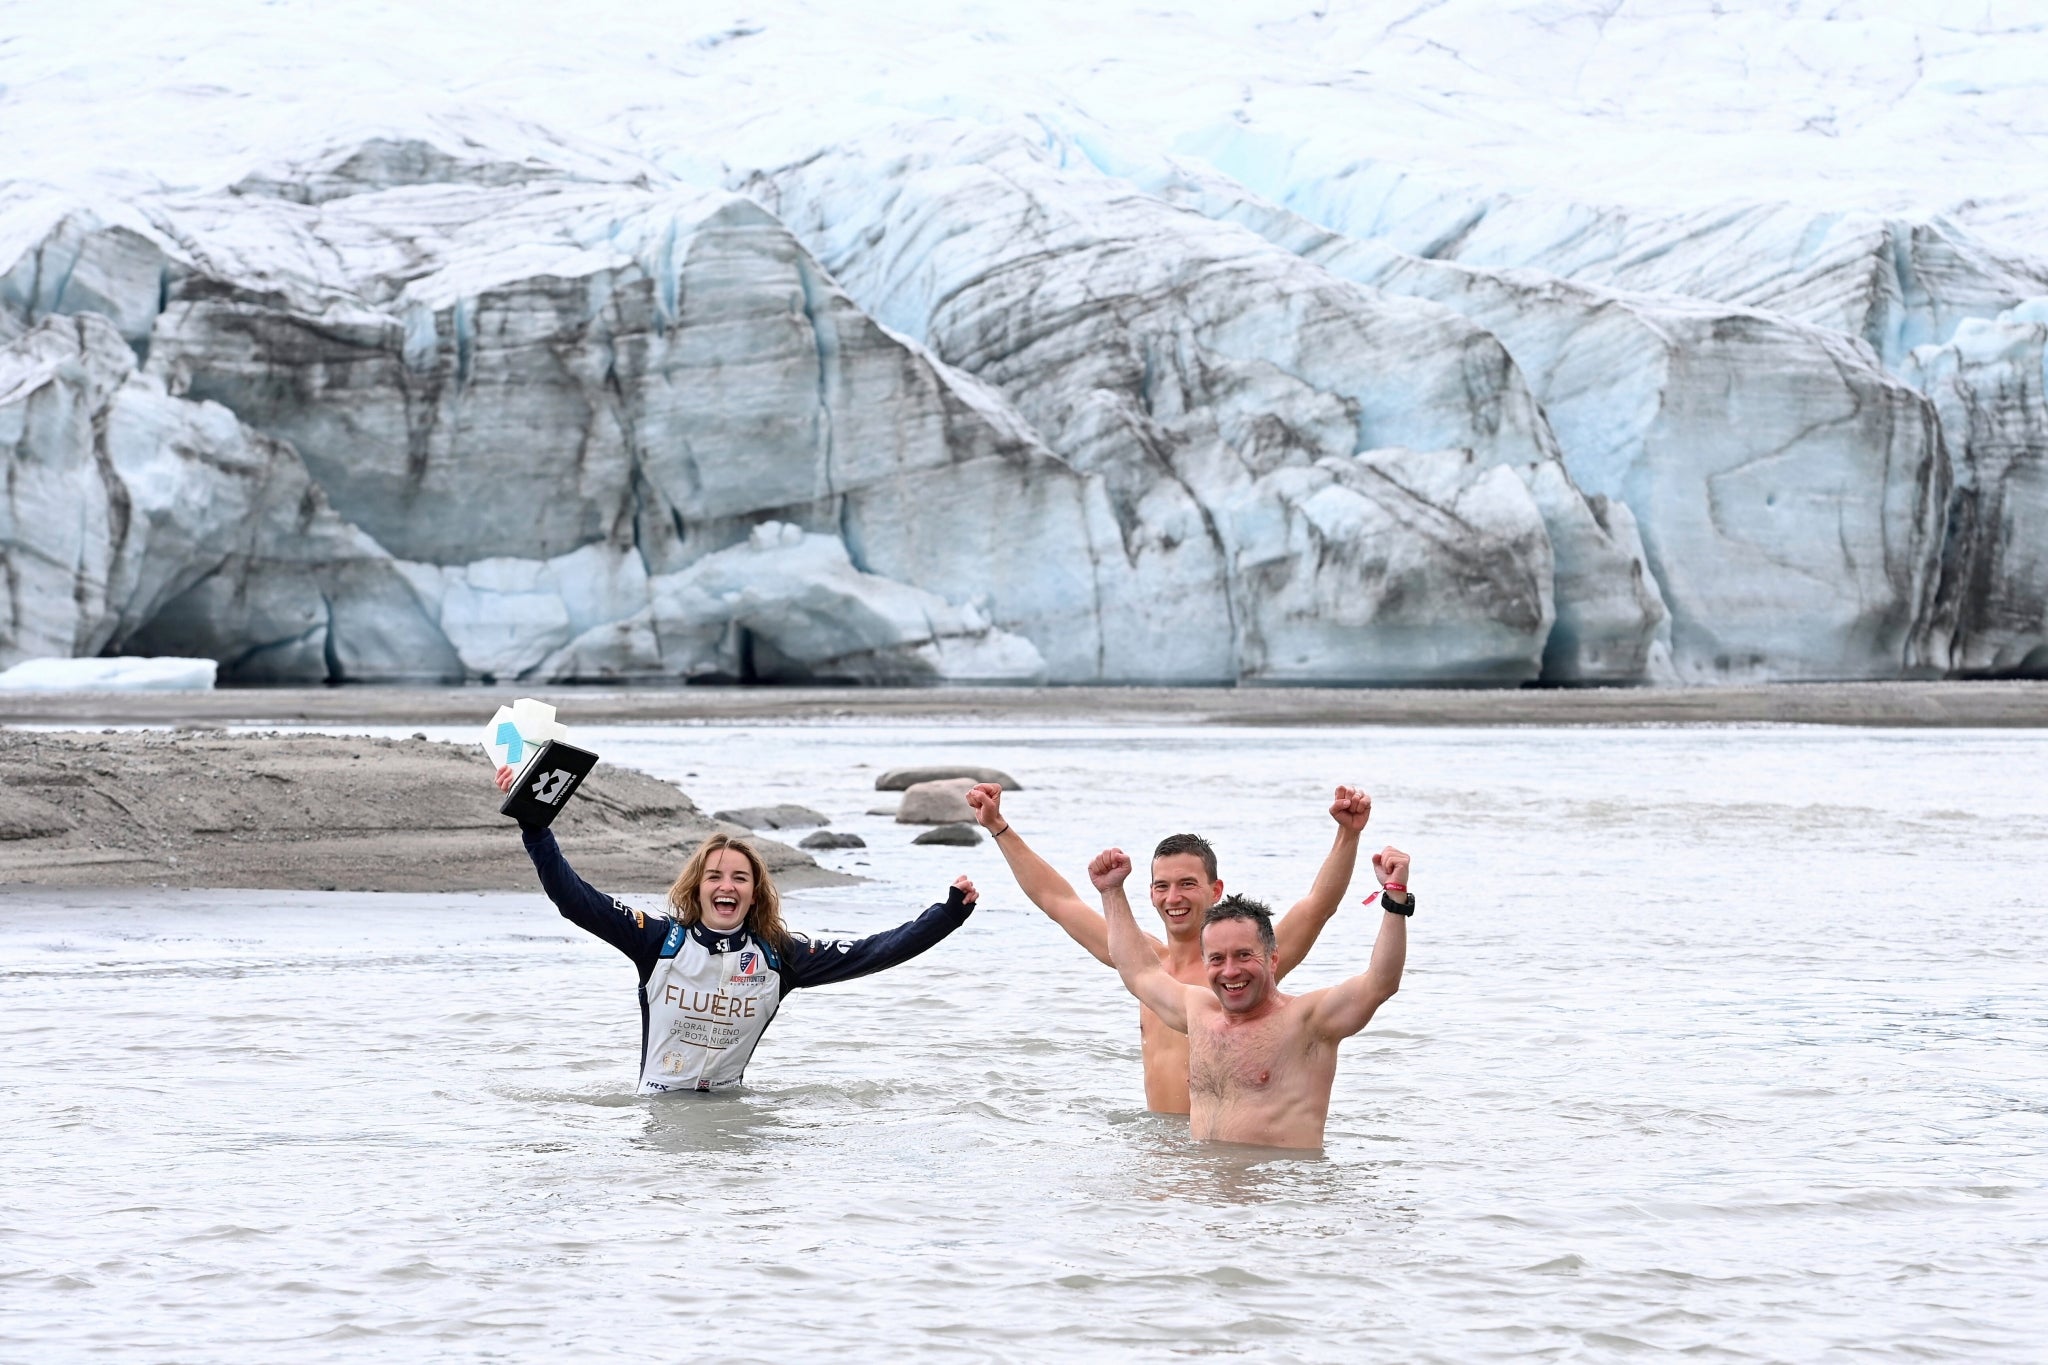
column 902, row 779
column 826, row 838
column 24, row 817
column 321, row 812
column 936, row 803
column 960, row 836
column 773, row 817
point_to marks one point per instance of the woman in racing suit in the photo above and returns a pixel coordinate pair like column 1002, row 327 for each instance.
column 714, row 971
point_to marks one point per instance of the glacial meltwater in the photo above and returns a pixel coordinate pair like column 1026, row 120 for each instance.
column 1722, row 1041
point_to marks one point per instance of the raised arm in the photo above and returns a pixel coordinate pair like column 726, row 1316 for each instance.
column 1135, row 961
column 1347, row 1007
column 820, row 962
column 1299, row 928
column 636, row 934
column 1042, row 886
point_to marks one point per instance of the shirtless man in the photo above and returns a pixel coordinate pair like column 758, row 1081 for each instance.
column 1260, row 1062
column 1184, row 886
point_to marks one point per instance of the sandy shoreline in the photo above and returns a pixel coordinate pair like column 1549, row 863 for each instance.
column 316, row 813
column 1933, row 704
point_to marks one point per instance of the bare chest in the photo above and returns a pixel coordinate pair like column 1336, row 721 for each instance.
column 1238, row 1061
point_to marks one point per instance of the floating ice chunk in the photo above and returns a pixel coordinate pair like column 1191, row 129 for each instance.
column 127, row 674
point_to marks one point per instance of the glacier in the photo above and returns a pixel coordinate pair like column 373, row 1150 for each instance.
column 1990, row 382
column 1261, row 343
column 1789, row 491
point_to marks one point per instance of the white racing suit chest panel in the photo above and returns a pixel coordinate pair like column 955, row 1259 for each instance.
column 706, row 1011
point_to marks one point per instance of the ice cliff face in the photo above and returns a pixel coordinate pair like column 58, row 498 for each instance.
column 135, row 522
column 1724, row 433
column 541, row 408
column 1990, row 383
column 732, row 372
column 559, row 415
column 1234, row 398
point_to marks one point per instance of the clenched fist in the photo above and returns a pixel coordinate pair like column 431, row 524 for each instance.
column 1109, row 869
column 987, row 800
column 966, row 889
column 1390, row 865
column 1351, row 808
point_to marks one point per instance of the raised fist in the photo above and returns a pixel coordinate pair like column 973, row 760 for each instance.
column 1109, row 869
column 987, row 800
column 505, row 776
column 967, row 891
column 1390, row 865
column 1351, row 808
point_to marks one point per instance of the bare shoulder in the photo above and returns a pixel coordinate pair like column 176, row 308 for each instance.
column 1299, row 1013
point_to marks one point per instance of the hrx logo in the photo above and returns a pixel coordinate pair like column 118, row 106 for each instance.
column 551, row 787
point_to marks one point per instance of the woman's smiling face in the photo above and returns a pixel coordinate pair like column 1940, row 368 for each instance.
column 727, row 891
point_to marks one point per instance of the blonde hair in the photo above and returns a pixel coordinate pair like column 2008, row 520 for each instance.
column 764, row 916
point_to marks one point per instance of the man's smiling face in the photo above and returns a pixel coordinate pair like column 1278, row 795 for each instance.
column 1181, row 892
column 1239, row 966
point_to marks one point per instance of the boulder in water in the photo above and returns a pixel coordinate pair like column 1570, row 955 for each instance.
column 956, row 836
column 936, row 803
column 772, row 817
column 902, row 779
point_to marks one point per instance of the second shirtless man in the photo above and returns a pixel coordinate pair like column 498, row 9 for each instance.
column 1260, row 1062
column 1184, row 886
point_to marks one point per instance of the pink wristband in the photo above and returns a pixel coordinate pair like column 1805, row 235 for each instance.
column 1398, row 888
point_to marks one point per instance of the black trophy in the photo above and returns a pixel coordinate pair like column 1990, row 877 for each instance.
column 547, row 782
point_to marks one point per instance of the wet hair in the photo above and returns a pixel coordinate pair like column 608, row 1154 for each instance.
column 1174, row 844
column 764, row 916
column 1244, row 907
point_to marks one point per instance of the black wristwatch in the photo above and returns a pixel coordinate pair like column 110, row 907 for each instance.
column 1394, row 909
